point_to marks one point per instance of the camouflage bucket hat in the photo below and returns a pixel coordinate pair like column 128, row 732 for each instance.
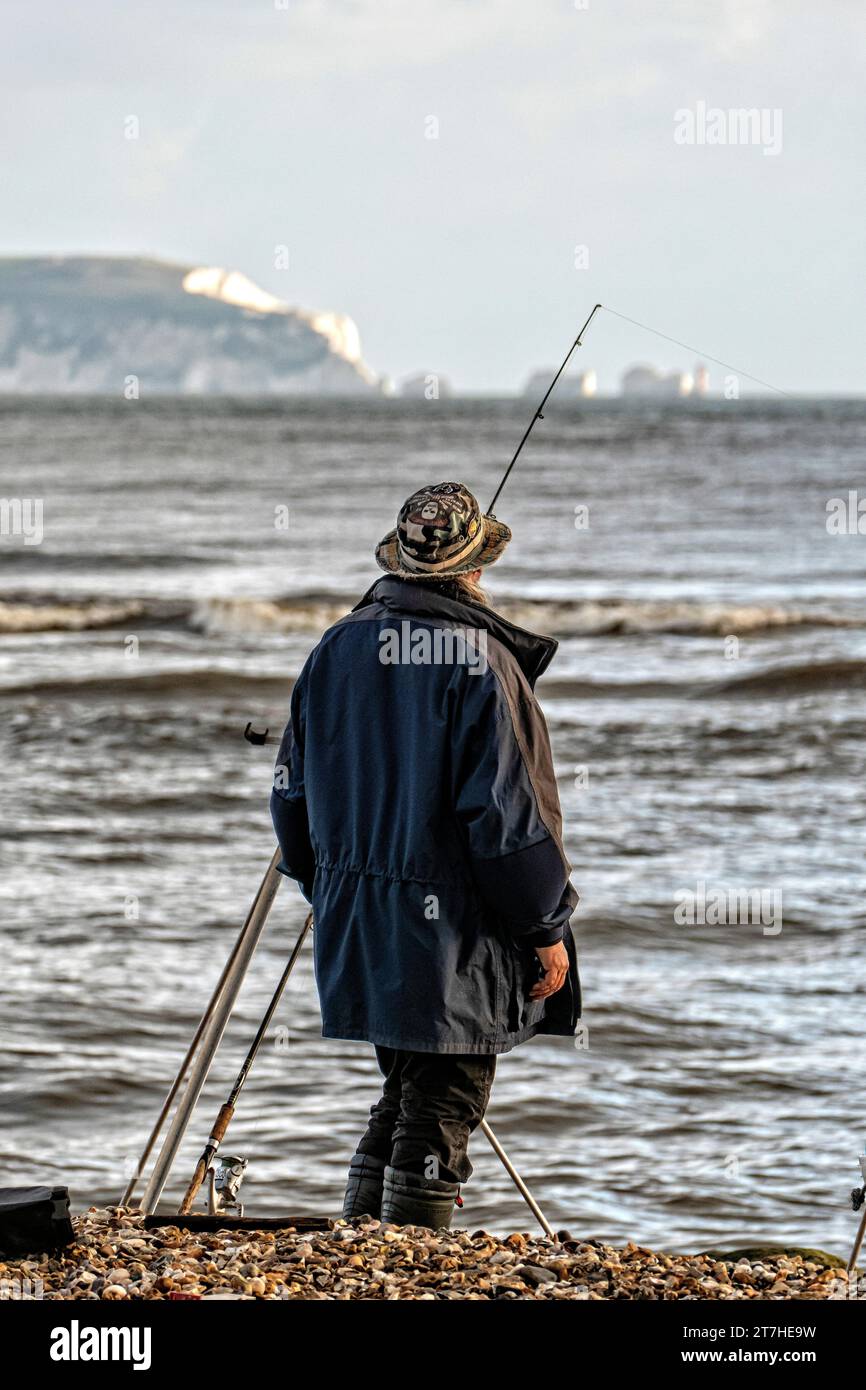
column 441, row 531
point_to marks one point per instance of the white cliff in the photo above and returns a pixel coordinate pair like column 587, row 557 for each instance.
column 92, row 324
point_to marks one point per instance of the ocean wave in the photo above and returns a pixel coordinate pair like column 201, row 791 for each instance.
column 313, row 612
column 784, row 680
column 183, row 684
column 57, row 616
column 307, row 613
column 796, row 679
column 559, row 617
column 635, row 617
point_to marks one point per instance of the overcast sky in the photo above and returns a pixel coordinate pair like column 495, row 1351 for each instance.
column 305, row 123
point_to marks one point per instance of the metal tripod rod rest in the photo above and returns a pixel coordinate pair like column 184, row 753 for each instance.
column 182, row 1069
column 212, row 1034
column 858, row 1241
column 518, row 1181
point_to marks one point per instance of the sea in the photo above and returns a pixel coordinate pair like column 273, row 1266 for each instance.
column 167, row 565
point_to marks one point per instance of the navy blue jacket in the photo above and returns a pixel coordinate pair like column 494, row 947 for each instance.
column 415, row 802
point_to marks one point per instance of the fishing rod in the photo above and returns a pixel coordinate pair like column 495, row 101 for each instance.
column 578, row 343
column 538, row 414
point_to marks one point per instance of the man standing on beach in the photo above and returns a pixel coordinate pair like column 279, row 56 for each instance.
column 415, row 803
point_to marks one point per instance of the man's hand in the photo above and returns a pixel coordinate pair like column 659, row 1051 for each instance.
column 554, row 960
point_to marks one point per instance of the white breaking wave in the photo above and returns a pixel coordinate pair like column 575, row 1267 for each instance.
column 312, row 613
column 218, row 615
column 65, row 617
column 574, row 618
column 559, row 617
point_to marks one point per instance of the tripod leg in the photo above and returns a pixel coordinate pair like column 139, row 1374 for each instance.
column 861, row 1231
column 190, row 1052
column 517, row 1180
column 226, row 1113
column 253, row 928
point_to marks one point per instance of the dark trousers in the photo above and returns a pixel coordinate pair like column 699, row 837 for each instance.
column 431, row 1102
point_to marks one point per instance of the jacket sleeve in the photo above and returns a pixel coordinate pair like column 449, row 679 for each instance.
column 507, row 801
column 289, row 802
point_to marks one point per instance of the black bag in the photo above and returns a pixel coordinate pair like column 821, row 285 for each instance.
column 34, row 1219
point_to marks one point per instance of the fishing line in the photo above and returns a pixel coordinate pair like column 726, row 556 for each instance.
column 718, row 361
column 578, row 343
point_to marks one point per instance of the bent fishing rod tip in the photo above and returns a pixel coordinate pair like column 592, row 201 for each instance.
column 577, row 341
column 539, row 413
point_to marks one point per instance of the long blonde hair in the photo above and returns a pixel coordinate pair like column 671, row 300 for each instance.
column 460, row 587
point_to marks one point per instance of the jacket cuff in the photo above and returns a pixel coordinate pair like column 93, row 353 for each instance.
column 544, row 938
column 306, row 888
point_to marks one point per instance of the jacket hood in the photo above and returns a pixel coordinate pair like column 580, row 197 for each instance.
column 532, row 652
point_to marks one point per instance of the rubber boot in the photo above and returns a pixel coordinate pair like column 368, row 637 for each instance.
column 410, row 1200
column 364, row 1187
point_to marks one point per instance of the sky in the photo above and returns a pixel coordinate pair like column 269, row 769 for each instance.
column 466, row 178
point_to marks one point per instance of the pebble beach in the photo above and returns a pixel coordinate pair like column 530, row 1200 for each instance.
column 115, row 1258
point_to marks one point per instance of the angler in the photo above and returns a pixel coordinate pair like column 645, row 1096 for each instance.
column 400, row 783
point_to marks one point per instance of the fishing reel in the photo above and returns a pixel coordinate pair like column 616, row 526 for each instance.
column 858, row 1197
column 225, row 1176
